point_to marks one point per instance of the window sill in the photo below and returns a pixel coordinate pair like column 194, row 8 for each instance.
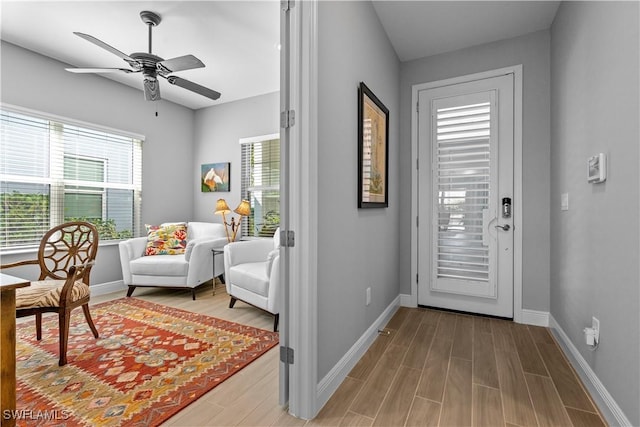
column 34, row 249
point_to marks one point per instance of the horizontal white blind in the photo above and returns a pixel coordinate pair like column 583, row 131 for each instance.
column 52, row 172
column 462, row 184
column 260, row 185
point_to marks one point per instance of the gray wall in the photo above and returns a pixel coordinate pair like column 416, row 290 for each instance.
column 40, row 83
column 532, row 51
column 217, row 132
column 357, row 248
column 594, row 245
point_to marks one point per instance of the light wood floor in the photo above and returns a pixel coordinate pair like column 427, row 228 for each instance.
column 443, row 369
column 433, row 368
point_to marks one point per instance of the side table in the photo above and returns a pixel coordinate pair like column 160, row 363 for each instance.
column 215, row 252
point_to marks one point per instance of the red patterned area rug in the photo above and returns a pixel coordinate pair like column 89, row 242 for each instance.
column 150, row 362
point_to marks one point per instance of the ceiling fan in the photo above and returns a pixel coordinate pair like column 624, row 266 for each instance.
column 150, row 65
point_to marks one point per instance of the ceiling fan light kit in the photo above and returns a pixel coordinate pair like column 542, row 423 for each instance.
column 151, row 66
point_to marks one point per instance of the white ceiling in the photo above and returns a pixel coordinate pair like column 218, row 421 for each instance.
column 237, row 40
column 423, row 28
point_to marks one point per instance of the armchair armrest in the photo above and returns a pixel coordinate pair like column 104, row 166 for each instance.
column 199, row 256
column 129, row 250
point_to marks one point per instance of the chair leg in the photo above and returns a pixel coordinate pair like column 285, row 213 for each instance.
column 130, row 290
column 232, row 302
column 63, row 331
column 275, row 322
column 38, row 326
column 87, row 315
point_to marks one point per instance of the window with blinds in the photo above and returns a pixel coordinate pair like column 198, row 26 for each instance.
column 461, row 179
column 260, row 185
column 52, row 172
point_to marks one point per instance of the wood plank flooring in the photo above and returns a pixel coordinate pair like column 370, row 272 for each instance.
column 444, row 369
column 432, row 369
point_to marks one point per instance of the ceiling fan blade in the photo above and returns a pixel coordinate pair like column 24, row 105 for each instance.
column 181, row 63
column 105, row 46
column 151, row 89
column 101, row 70
column 193, row 87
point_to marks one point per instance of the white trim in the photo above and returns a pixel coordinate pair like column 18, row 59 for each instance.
column 330, row 383
column 608, row 406
column 107, row 288
column 407, row 300
column 259, row 138
column 517, row 177
column 534, row 317
column 303, row 322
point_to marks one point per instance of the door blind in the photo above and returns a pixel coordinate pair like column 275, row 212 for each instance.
column 461, row 180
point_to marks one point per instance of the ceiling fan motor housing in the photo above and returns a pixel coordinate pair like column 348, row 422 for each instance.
column 150, row 18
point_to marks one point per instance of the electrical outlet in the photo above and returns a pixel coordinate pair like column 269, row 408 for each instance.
column 368, row 302
column 595, row 325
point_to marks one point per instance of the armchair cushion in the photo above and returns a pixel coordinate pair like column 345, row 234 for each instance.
column 165, row 265
column 169, row 239
column 46, row 293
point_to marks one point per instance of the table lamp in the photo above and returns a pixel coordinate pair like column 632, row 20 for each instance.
column 222, row 208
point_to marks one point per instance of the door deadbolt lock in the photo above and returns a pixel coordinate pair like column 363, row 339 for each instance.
column 505, row 227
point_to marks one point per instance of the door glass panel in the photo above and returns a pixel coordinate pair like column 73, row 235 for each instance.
column 461, row 178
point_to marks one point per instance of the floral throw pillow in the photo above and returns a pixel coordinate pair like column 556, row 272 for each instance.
column 169, row 239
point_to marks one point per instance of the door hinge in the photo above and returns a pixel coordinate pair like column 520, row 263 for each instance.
column 287, row 119
column 417, row 164
column 286, row 355
column 417, row 107
column 287, row 5
column 287, row 238
column 417, row 221
column 416, row 277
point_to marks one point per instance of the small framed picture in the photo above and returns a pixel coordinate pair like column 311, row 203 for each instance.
column 215, row 177
column 597, row 168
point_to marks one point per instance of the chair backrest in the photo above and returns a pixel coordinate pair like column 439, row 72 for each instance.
column 66, row 245
column 196, row 230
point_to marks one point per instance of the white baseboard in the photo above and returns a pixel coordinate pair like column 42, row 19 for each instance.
column 407, row 300
column 602, row 397
column 330, row 383
column 107, row 288
column 534, row 317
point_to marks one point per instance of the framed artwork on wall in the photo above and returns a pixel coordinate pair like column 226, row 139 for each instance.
column 373, row 150
column 215, row 177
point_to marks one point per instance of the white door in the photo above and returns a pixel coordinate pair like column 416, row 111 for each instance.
column 465, row 234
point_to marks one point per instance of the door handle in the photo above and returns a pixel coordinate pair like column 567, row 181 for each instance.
column 505, row 227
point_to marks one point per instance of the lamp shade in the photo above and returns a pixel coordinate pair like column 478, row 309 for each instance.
column 244, row 208
column 222, row 207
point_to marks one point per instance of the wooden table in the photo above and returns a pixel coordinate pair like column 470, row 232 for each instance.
column 8, row 286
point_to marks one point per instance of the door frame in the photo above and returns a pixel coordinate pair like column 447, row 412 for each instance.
column 516, row 70
column 302, row 319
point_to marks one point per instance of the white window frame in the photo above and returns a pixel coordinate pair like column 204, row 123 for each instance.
column 243, row 190
column 57, row 183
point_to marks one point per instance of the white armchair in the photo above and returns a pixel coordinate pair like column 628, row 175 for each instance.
column 182, row 271
column 252, row 274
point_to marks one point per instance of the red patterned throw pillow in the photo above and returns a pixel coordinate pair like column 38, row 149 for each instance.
column 170, row 239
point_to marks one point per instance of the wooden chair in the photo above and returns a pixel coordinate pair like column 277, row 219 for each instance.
column 65, row 256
